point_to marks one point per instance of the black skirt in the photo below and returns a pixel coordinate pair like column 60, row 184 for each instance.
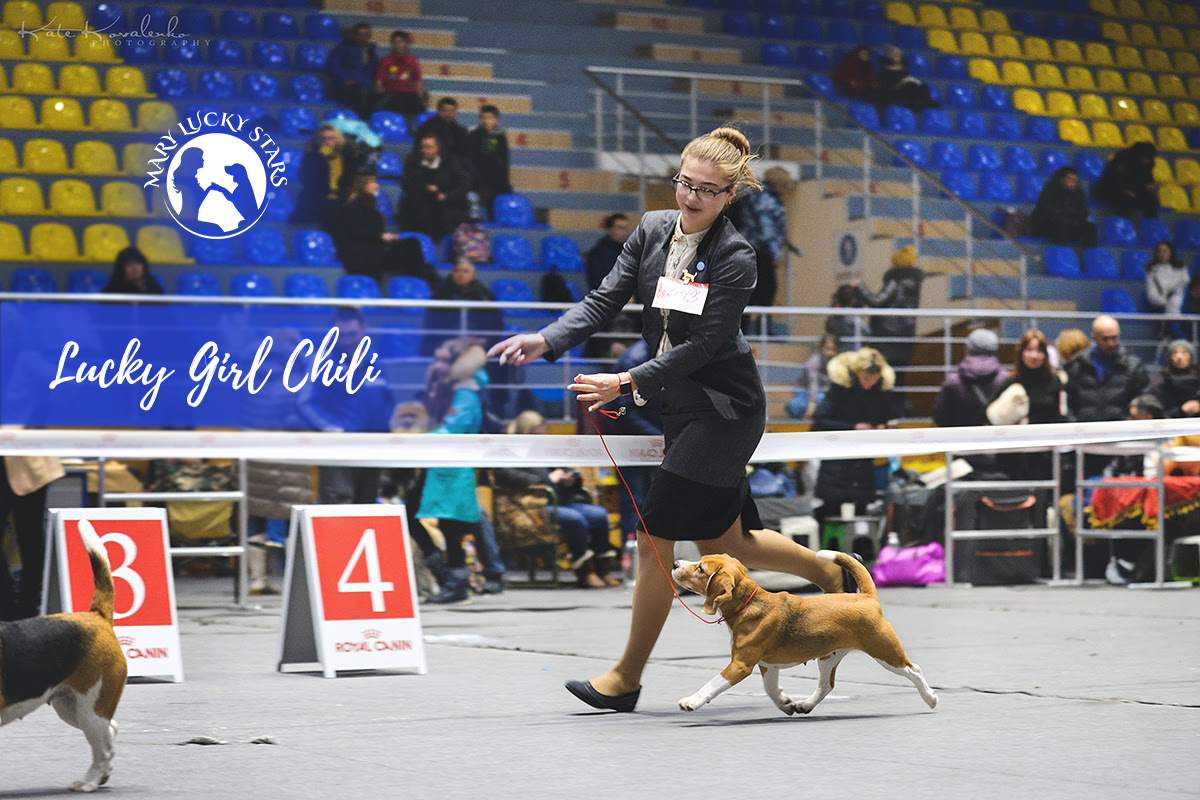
column 682, row 509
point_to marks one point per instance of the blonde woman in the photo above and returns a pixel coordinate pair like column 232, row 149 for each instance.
column 713, row 404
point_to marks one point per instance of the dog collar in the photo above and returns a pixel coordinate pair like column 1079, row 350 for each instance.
column 741, row 608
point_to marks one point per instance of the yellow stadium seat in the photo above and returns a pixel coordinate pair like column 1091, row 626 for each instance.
column 1130, row 9
column 1141, row 83
column 79, row 79
column 1156, row 111
column 135, row 158
column 1098, row 54
column 11, row 45
column 982, row 69
column 1186, row 62
column 1015, row 73
column 1187, row 171
column 126, row 82
column 8, row 157
column 1171, row 86
column 1196, row 197
column 1142, row 34
column 68, row 16
column 901, row 14
column 1104, row 8
column 17, row 112
column 1138, row 133
column 21, row 196
column 1061, row 104
column 49, row 48
column 1171, row 139
column 1157, row 60
column 1080, row 79
column 1113, row 31
column 963, row 18
column 1074, row 131
column 161, row 244
column 123, row 199
column 3, row 79
column 1193, row 87
column 1029, row 101
column 110, row 115
column 931, row 16
column 1162, row 171
column 1186, row 113
column 72, row 198
column 11, row 243
column 1048, row 76
column 1171, row 38
column 46, row 157
column 95, row 158
column 974, row 43
column 1107, row 134
column 1037, row 49
column 994, row 21
column 1158, row 11
column 1175, row 198
column 156, row 116
column 1126, row 109
column 95, row 49
column 1129, row 57
column 102, row 242
column 32, row 79
column 22, row 14
column 1092, row 106
column 1067, row 51
column 53, row 241
column 1005, row 45
column 1193, row 38
column 1184, row 14
column 942, row 40
column 62, row 114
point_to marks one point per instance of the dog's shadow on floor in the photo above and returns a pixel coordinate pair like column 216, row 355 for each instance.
column 49, row 791
column 783, row 720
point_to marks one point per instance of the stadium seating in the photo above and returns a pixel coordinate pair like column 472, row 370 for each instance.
column 512, row 252
column 358, row 287
column 1061, row 262
column 315, row 248
column 251, row 284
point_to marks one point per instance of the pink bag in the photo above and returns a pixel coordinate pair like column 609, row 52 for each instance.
column 910, row 566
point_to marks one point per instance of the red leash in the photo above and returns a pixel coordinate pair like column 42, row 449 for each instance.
column 649, row 538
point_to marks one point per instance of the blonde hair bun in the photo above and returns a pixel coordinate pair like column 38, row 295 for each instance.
column 729, row 150
column 734, row 137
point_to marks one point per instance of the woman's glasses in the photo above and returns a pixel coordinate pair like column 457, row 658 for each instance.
column 699, row 191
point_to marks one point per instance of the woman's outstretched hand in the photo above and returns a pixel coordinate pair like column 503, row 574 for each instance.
column 598, row 390
column 520, row 349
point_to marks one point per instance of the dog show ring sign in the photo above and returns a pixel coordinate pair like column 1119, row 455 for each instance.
column 350, row 600
column 144, row 615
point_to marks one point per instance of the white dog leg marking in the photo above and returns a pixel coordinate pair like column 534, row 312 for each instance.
column 824, row 683
column 78, row 710
column 915, row 675
column 770, row 678
column 707, row 692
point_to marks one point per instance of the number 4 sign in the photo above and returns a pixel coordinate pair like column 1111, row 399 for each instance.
column 144, row 615
column 349, row 599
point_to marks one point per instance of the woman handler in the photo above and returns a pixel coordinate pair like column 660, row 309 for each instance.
column 713, row 403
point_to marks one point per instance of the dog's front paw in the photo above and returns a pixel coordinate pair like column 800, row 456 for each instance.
column 690, row 703
column 83, row 786
column 801, row 708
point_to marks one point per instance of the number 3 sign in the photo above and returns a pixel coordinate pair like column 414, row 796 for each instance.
column 144, row 609
column 349, row 598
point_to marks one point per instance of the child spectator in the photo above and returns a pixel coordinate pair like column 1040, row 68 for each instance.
column 855, row 75
column 1127, row 184
column 603, row 255
column 398, row 80
column 1061, row 214
column 326, row 170
column 444, row 125
column 848, row 328
column 362, row 243
column 487, row 150
column 1166, row 280
column 351, row 67
column 131, row 274
column 435, row 190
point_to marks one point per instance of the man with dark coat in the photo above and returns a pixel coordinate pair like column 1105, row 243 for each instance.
column 351, row 67
column 1127, row 183
column 603, row 255
column 1102, row 382
column 1061, row 214
column 966, row 393
column 435, row 190
column 901, row 289
column 444, row 125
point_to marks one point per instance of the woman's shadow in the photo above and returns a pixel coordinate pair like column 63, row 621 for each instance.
column 191, row 161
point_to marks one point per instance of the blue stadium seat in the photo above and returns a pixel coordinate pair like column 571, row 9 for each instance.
column 946, row 155
column 1187, row 234
column 821, row 84
column 406, row 287
column 264, row 247
column 1041, row 129
column 271, row 56
column 280, row 25
column 841, row 31
column 32, row 279
column 215, row 251
column 334, row 114
column 256, row 114
column 983, row 158
column 998, row 187
column 1006, row 125
column 1018, row 159
column 959, row 96
column 1051, row 159
column 1061, row 262
column 910, row 38
column 869, row 9
column 737, row 23
column 170, row 83
column 1133, row 266
column 227, row 53
column 1155, row 231
column 875, row 34
column 238, row 23
column 560, row 252
column 322, row 28
column 961, row 183
column 306, row 88
column 898, row 119
column 837, row 8
column 389, row 164
column 358, row 287
column 151, row 18
column 512, row 252
column 936, row 122
column 305, row 285
column 86, row 281
column 251, row 284
column 428, row 248
column 808, row 29
column 777, row 55
column 198, row 284
column 995, row 98
column 1085, row 29
column 1117, row 301
column 1025, row 22
column 216, row 84
column 315, row 249
column 107, row 17
column 386, row 206
column 291, row 157
column 912, row 150
column 139, row 52
column 813, row 57
column 195, row 22
column 1118, row 230
column 311, row 56
column 507, row 290
column 972, row 124
column 297, row 121
column 1100, row 264
column 262, row 86
column 280, row 202
column 1029, row 186
column 181, row 52
column 773, row 26
column 389, row 125
column 198, row 109
column 1054, row 26
column 951, row 68
column 864, row 114
column 512, row 211
column 919, row 66
column 1090, row 165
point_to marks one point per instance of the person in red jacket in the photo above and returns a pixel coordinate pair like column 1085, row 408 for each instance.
column 398, row 80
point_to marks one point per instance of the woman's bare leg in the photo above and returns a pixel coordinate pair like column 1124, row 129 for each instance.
column 652, row 598
column 770, row 550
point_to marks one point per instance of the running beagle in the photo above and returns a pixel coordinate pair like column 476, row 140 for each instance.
column 774, row 630
column 71, row 661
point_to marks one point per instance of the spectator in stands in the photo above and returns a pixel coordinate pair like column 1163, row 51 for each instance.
column 1033, row 395
column 897, row 87
column 855, row 75
column 860, row 397
column 461, row 284
column 398, row 80
column 326, row 171
column 1069, row 344
column 965, row 394
column 435, row 190
column 1127, row 184
column 1167, row 280
column 848, row 328
column 23, row 482
column 487, row 150
column 603, row 255
column 763, row 222
column 1177, row 386
column 351, row 67
column 363, row 244
column 813, row 382
column 1061, row 214
column 444, row 125
column 131, row 274
column 1102, row 382
column 638, row 420
column 901, row 289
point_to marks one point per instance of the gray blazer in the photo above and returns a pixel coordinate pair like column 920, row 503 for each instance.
column 710, row 367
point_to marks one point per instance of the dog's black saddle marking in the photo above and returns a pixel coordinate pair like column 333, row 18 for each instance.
column 37, row 654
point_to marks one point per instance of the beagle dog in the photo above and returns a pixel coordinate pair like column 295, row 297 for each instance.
column 71, row 661
column 774, row 630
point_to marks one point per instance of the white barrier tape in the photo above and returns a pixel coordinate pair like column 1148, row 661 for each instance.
column 483, row 450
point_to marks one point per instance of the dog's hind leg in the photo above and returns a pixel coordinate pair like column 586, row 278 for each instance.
column 913, row 673
column 770, row 676
column 78, row 711
column 828, row 666
column 885, row 648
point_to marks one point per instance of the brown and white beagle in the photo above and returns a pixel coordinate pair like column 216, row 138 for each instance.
column 774, row 630
column 71, row 661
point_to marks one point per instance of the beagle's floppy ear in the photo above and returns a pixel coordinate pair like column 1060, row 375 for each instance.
column 720, row 589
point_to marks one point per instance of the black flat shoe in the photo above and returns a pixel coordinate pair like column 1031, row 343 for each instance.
column 588, row 694
column 849, row 585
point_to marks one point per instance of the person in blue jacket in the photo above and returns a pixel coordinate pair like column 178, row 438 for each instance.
column 351, row 67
